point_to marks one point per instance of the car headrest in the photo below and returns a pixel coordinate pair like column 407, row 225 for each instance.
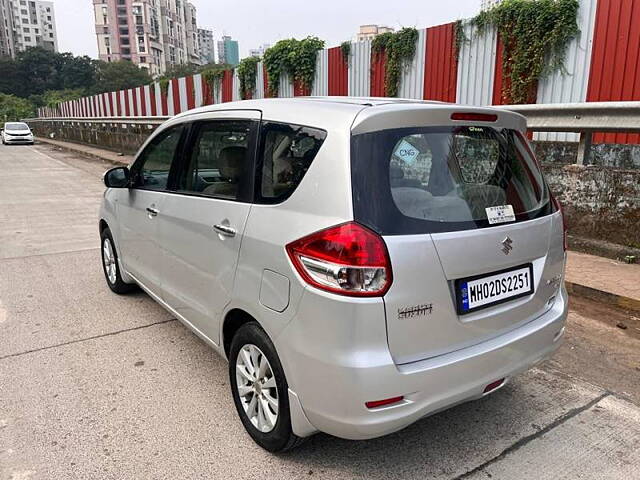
column 395, row 173
column 232, row 161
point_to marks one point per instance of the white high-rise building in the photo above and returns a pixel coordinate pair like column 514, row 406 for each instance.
column 207, row 46
column 27, row 23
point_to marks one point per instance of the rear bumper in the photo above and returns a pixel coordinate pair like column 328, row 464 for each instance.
column 333, row 391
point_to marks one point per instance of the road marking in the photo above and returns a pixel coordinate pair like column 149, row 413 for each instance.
column 33, row 149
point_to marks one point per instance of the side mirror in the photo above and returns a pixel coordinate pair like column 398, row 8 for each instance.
column 117, row 177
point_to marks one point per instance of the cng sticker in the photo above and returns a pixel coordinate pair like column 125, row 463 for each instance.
column 406, row 152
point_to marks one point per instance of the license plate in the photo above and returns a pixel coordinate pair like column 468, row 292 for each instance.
column 482, row 291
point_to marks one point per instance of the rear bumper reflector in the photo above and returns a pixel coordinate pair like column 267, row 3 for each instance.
column 493, row 385
column 385, row 402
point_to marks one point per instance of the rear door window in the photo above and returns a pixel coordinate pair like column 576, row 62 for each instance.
column 426, row 180
column 286, row 153
column 220, row 163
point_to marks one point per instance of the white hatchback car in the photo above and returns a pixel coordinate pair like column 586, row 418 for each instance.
column 361, row 262
column 16, row 132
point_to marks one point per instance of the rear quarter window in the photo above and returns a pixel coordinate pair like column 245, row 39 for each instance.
column 285, row 154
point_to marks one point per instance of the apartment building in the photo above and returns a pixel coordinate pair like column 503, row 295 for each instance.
column 367, row 32
column 153, row 34
column 259, row 52
column 25, row 24
column 207, row 46
column 228, row 51
column 6, row 30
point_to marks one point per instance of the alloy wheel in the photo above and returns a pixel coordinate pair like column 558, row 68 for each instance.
column 257, row 390
column 109, row 259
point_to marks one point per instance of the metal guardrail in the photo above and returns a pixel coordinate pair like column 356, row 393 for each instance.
column 584, row 118
column 581, row 117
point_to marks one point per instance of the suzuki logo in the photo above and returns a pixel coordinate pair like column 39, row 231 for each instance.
column 506, row 246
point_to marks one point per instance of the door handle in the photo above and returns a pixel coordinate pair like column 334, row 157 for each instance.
column 225, row 230
column 152, row 211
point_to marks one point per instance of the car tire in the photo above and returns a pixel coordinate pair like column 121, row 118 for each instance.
column 250, row 347
column 111, row 266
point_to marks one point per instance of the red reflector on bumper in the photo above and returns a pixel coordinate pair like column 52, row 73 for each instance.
column 382, row 403
column 493, row 385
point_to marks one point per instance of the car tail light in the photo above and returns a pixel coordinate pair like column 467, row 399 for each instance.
column 382, row 403
column 347, row 259
column 565, row 241
column 474, row 117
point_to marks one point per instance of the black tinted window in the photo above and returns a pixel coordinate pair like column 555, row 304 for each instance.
column 425, row 180
column 286, row 153
column 155, row 160
column 220, row 160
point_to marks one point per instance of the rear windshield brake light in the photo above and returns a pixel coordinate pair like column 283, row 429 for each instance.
column 474, row 117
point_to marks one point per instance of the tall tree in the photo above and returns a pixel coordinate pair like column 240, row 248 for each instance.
column 38, row 71
column 119, row 75
column 75, row 72
column 9, row 77
column 13, row 108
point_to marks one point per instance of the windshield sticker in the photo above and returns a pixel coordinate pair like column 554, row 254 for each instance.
column 406, row 152
column 500, row 214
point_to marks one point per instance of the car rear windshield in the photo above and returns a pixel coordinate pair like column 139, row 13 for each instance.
column 442, row 179
column 16, row 126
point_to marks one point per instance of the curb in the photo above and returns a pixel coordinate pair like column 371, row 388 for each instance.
column 71, row 147
column 620, row 301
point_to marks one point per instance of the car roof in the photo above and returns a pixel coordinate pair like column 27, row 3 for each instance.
column 366, row 113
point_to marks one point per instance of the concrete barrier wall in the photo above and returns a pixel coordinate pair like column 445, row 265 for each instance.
column 118, row 137
column 602, row 203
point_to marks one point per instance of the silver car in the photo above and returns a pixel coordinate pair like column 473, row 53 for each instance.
column 360, row 262
column 16, row 132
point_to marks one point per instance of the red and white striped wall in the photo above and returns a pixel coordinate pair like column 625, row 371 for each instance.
column 602, row 64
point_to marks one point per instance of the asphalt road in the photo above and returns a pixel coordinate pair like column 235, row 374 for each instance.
column 94, row 385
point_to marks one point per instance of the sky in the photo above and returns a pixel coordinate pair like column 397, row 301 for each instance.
column 255, row 22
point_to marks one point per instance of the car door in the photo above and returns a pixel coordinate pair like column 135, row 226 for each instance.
column 139, row 206
column 203, row 220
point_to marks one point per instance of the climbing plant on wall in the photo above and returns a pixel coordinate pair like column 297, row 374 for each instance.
column 294, row 57
column 247, row 71
column 459, row 37
column 164, row 86
column 345, row 48
column 399, row 48
column 213, row 78
column 535, row 35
